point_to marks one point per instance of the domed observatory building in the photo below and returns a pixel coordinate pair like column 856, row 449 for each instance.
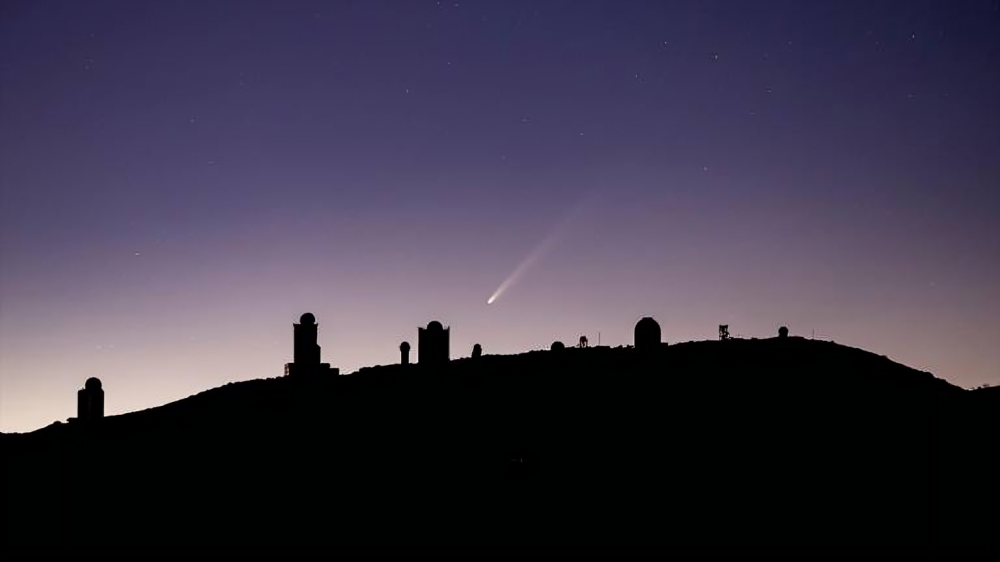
column 432, row 344
column 404, row 353
column 647, row 334
column 306, row 352
column 90, row 401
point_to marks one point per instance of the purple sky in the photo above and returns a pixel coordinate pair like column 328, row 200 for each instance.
column 179, row 181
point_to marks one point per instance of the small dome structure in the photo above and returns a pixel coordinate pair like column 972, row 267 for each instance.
column 90, row 401
column 783, row 332
column 647, row 333
column 307, row 318
column 557, row 345
column 404, row 353
column 433, row 344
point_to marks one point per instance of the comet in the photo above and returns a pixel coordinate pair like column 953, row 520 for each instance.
column 533, row 257
column 540, row 250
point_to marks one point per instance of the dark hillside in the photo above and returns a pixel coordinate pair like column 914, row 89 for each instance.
column 721, row 444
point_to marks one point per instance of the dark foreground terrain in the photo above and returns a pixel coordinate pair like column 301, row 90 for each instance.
column 743, row 444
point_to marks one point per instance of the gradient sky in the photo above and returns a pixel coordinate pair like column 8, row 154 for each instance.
column 180, row 180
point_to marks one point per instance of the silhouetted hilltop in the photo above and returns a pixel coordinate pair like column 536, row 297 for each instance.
column 717, row 444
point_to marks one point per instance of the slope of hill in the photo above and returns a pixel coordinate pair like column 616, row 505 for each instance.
column 730, row 445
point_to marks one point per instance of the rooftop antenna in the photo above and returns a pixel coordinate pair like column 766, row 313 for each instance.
column 598, row 338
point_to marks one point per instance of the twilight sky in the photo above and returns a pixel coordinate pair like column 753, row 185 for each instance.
column 179, row 181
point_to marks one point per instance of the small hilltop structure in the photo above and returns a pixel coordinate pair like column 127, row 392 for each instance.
column 90, row 401
column 306, row 352
column 433, row 344
column 647, row 334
